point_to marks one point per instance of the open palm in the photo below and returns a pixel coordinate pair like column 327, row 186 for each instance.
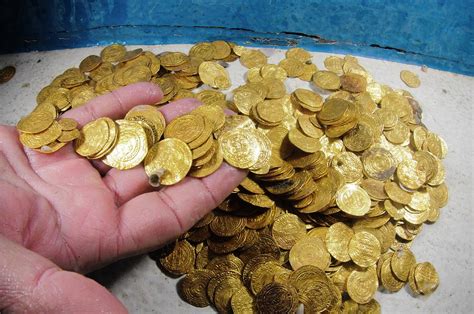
column 62, row 210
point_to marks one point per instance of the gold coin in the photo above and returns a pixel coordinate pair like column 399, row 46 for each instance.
column 410, row 174
column 309, row 251
column 180, row 260
column 287, row 230
column 193, row 287
column 68, row 136
column 45, row 137
column 242, row 302
column 410, row 78
column 364, row 249
column 245, row 99
column 253, row 58
column 293, row 67
column 337, row 241
column 378, row 163
column 113, row 53
column 348, row 165
column 37, row 121
column 401, row 263
column 221, row 49
column 151, row 116
column 276, row 298
column 326, row 80
column 209, row 167
column 187, row 128
column 303, row 142
column 353, row 200
column 334, row 64
column 299, row 54
column 90, row 63
column 213, row 113
column 240, row 148
column 362, row 285
column 214, row 75
column 169, row 160
column 67, row 124
column 426, row 278
column 131, row 147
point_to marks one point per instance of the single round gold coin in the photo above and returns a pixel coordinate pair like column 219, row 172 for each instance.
column 90, row 63
column 362, row 285
column 37, row 121
column 426, row 278
column 326, row 80
column 364, row 249
column 113, row 53
column 170, row 160
column 353, row 200
column 337, row 241
column 187, row 127
column 309, row 251
column 240, row 149
column 410, row 78
column 131, row 147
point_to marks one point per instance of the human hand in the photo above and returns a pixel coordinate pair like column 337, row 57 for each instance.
column 61, row 211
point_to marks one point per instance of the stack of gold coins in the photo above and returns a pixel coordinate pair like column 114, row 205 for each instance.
column 342, row 177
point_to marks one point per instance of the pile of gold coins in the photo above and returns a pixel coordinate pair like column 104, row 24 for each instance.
column 342, row 176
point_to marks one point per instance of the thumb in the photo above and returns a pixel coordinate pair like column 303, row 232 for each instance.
column 32, row 283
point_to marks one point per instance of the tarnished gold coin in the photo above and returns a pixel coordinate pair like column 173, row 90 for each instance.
column 276, row 298
column 348, row 165
column 180, row 260
column 242, row 302
column 410, row 78
column 353, row 200
column 131, row 147
column 193, row 287
column 168, row 161
column 7, row 73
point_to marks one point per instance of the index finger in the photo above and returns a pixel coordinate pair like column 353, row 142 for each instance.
column 116, row 103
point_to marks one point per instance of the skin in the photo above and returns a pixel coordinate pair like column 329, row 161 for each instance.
column 62, row 215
